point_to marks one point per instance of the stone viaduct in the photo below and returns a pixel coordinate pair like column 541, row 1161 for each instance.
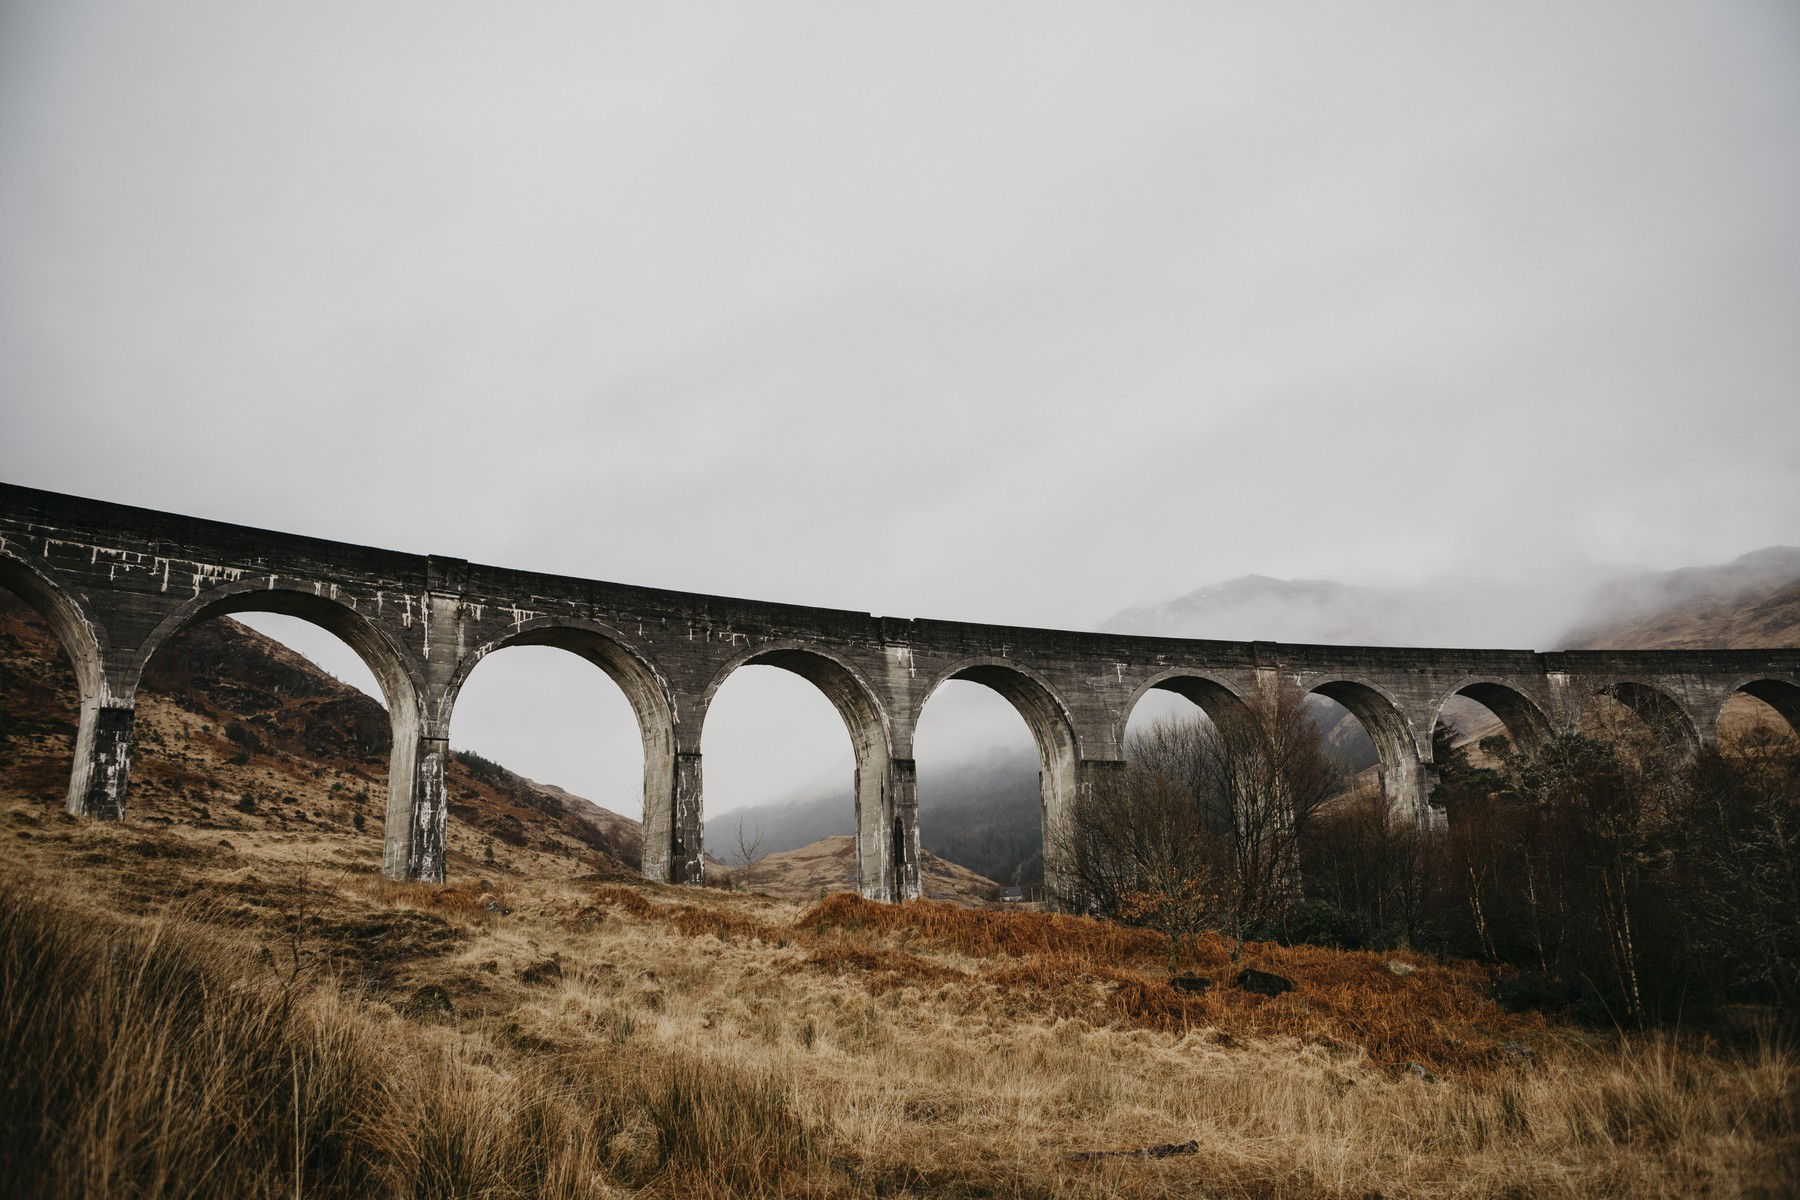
column 116, row 582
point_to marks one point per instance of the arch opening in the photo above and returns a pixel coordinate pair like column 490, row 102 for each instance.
column 594, row 756
column 384, row 660
column 848, row 694
column 342, row 720
column 981, row 791
column 97, row 762
column 762, row 717
column 551, row 759
column 1758, row 713
column 244, row 728
column 1474, row 715
column 1633, row 711
column 1396, row 770
column 989, row 805
column 77, row 635
column 1475, row 731
column 1177, row 697
column 1176, row 729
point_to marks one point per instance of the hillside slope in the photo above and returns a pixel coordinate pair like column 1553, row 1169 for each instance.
column 238, row 734
column 1752, row 602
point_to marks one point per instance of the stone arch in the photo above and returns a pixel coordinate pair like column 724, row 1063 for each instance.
column 887, row 838
column 1045, row 713
column 1525, row 721
column 413, row 841
column 1782, row 695
column 76, row 628
column 83, row 639
column 1404, row 763
column 645, row 688
column 1213, row 696
column 401, row 681
column 1052, row 727
column 842, row 683
column 1659, row 710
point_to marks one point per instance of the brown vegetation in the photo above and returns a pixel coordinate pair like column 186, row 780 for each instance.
column 184, row 1020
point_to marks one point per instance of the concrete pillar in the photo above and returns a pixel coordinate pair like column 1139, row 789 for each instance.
column 887, row 823
column 1408, row 789
column 658, row 826
column 686, row 858
column 672, row 818
column 903, row 792
column 102, row 761
column 1059, row 787
column 413, row 845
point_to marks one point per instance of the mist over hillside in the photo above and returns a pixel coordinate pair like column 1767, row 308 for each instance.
column 1751, row 602
column 981, row 814
column 1452, row 612
column 984, row 814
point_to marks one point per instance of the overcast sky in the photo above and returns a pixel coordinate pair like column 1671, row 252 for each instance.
column 1013, row 313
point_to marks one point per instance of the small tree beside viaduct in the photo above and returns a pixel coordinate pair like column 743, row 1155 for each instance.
column 114, row 583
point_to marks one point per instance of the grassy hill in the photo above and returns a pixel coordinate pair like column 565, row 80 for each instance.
column 189, row 1017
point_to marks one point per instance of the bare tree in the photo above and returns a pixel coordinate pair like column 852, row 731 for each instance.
column 1201, row 830
column 1367, row 859
column 750, row 850
column 1740, row 828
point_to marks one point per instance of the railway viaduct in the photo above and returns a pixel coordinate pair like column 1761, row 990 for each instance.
column 115, row 583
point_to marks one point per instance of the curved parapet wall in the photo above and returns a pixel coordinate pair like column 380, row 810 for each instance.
column 115, row 581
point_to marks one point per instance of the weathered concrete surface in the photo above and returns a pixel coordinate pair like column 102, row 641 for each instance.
column 116, row 582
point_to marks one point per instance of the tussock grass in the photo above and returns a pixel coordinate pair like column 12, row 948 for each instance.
column 626, row 900
column 985, row 933
column 1076, row 967
column 459, row 899
column 143, row 1061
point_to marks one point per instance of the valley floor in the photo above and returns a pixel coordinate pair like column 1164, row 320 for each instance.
column 188, row 1017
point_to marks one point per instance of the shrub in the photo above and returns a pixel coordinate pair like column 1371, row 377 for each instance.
column 242, row 735
column 1315, row 923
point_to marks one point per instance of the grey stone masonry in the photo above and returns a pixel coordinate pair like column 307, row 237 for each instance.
column 116, row 582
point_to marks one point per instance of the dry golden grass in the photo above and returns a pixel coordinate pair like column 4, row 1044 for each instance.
column 186, row 1020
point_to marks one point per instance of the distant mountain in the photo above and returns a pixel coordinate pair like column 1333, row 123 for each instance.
column 986, row 815
column 1456, row 611
column 1257, row 607
column 981, row 814
column 782, row 826
column 1751, row 602
column 829, row 865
